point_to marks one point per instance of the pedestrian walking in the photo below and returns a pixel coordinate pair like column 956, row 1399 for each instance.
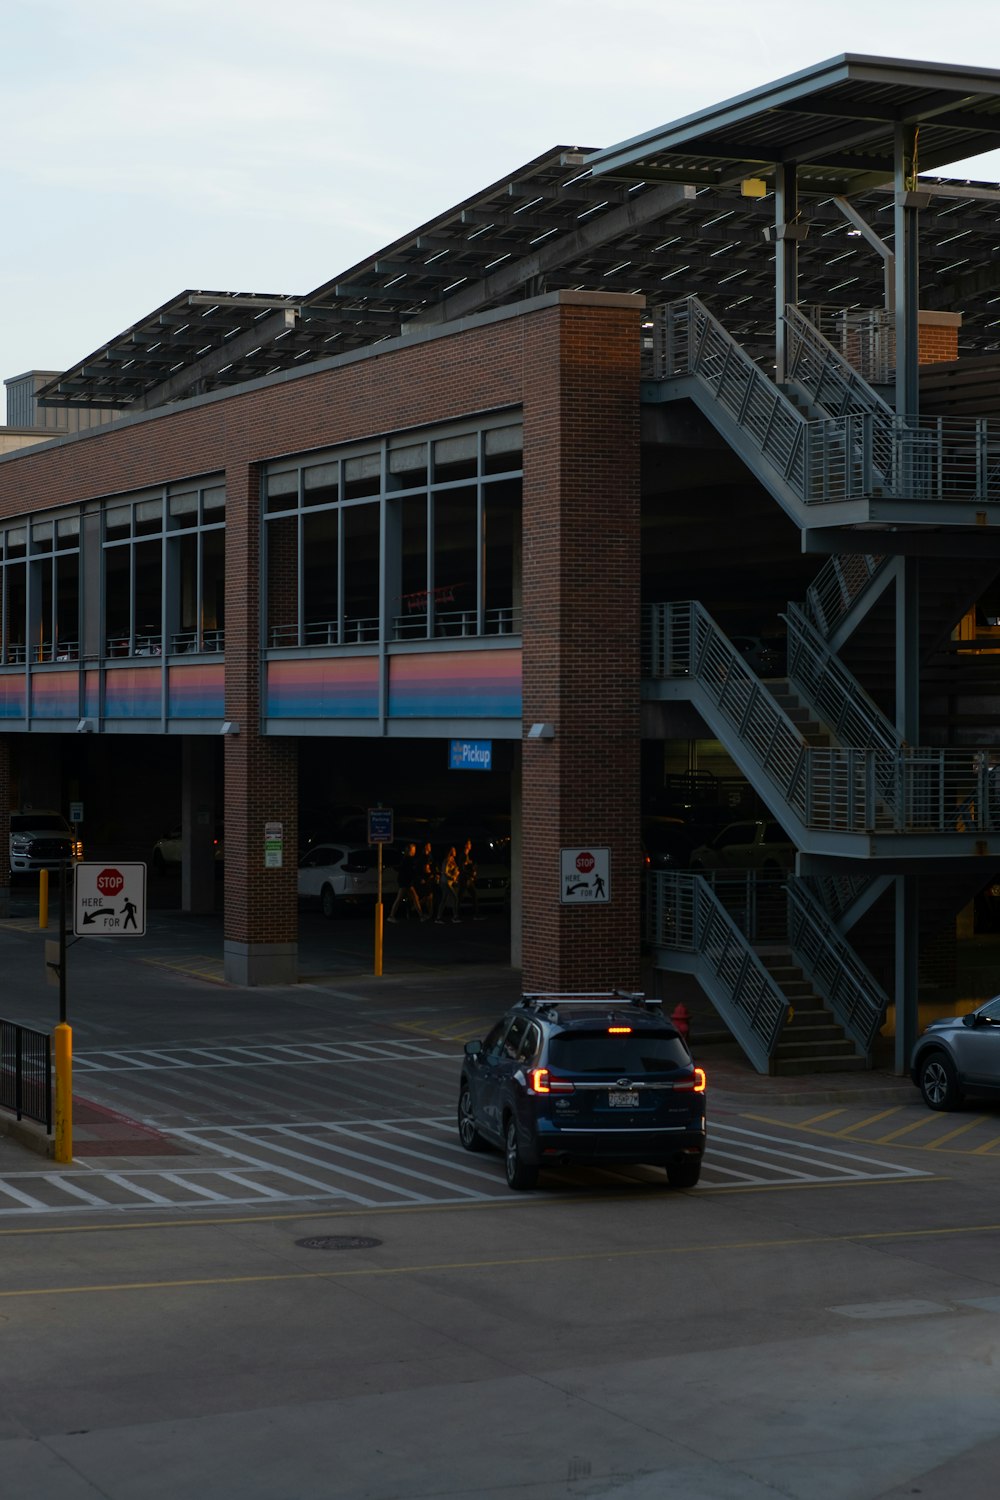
column 406, row 875
column 427, row 881
column 467, row 881
column 450, row 877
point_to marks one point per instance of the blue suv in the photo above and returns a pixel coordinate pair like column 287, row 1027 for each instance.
column 598, row 1078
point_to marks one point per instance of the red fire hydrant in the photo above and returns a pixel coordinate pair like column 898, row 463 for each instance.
column 681, row 1018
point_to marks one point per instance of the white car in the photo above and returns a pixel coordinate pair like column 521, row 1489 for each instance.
column 333, row 874
column 40, row 840
column 167, row 851
column 754, row 845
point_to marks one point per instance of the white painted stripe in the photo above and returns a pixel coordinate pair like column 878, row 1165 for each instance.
column 256, row 1187
column 338, row 1169
column 391, row 1165
column 67, row 1185
column 255, row 1161
column 815, row 1150
column 135, row 1187
column 19, row 1197
column 194, row 1187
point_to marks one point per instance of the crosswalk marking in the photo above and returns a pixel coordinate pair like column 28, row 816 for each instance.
column 275, row 1055
column 405, row 1161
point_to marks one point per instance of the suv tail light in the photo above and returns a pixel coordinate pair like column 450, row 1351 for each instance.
column 540, row 1081
column 696, row 1084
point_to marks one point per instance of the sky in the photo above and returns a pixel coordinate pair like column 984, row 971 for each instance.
column 255, row 146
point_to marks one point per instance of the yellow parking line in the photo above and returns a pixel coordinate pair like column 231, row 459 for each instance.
column 985, row 1149
column 959, row 1130
column 894, row 1135
column 828, row 1114
column 883, row 1114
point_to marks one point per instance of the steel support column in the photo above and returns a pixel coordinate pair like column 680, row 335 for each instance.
column 786, row 258
column 908, row 649
column 907, row 949
column 906, row 246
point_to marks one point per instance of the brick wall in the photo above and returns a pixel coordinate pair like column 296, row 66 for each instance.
column 937, row 337
column 581, row 641
column 573, row 362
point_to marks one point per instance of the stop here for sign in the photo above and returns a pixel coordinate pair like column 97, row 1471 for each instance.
column 109, row 900
column 585, row 876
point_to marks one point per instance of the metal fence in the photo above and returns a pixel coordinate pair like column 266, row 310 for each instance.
column 26, row 1073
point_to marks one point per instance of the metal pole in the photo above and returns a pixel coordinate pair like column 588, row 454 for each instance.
column 378, row 919
column 63, row 1045
column 43, row 898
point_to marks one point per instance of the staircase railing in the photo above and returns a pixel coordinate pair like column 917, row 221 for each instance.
column 861, row 451
column 825, row 684
column 684, row 914
column 831, row 383
column 855, row 998
column 866, row 789
column 839, row 583
column 820, row 462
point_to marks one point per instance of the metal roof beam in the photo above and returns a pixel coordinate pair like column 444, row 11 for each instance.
column 638, row 211
column 175, row 387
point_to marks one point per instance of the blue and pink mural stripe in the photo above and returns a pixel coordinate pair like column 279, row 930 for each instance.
column 196, row 692
column 456, row 684
column 132, row 693
column 344, row 687
column 55, row 695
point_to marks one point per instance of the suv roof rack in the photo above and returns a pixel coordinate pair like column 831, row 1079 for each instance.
column 537, row 999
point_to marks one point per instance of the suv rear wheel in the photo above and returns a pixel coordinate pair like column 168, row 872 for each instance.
column 520, row 1176
column 684, row 1174
column 939, row 1082
column 327, row 901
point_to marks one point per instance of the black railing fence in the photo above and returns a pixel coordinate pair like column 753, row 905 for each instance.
column 26, row 1073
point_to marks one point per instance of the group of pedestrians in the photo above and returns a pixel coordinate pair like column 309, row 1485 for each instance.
column 427, row 891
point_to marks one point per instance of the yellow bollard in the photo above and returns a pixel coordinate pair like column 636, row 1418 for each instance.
column 43, row 898
column 64, row 1093
column 378, row 939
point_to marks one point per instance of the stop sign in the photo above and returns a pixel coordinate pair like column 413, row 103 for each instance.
column 585, row 863
column 110, row 882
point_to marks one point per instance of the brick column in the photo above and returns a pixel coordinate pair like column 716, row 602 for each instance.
column 5, row 793
column 581, row 637
column 261, row 773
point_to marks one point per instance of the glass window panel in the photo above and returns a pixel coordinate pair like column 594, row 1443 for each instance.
column 502, row 449
column 213, row 582
column 17, row 542
column 68, row 606
column 148, row 595
column 456, row 458
column 15, row 605
column 41, row 609
column 283, row 490
column 213, row 502
column 319, row 577
column 148, row 517
column 455, row 560
column 408, row 466
column 117, row 521
column 321, row 484
column 183, row 508
column 186, row 563
column 361, row 572
column 502, row 556
column 362, row 475
column 117, row 599
column 410, row 603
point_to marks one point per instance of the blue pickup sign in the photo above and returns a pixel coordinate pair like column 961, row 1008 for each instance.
column 470, row 755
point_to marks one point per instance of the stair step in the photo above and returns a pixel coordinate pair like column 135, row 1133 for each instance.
column 796, row 1066
column 833, row 1046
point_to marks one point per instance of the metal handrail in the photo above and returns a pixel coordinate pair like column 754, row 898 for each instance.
column 862, row 450
column 849, row 789
column 684, row 914
column 837, row 586
column 839, row 701
column 864, row 336
column 855, row 998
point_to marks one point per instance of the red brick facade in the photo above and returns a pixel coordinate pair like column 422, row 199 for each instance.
column 572, row 362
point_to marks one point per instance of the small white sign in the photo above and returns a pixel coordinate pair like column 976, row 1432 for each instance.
column 110, row 900
column 274, row 846
column 585, row 876
column 76, row 812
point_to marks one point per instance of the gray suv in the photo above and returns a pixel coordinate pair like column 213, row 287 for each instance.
column 959, row 1055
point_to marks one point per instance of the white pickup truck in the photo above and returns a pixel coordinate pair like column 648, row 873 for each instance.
column 39, row 840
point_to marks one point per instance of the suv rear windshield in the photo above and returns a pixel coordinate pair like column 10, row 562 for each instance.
column 596, row 1052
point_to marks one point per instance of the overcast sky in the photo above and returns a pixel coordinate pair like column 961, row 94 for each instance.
column 249, row 145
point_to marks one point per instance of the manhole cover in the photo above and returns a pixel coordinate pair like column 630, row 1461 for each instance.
column 339, row 1242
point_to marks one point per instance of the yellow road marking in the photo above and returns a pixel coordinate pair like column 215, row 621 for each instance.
column 827, row 1115
column 498, row 1262
column 883, row 1114
column 985, row 1149
column 894, row 1135
column 958, row 1130
column 201, row 967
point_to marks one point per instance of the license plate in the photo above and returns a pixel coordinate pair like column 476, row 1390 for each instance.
column 623, row 1099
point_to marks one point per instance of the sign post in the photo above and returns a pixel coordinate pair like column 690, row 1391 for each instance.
column 380, row 831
